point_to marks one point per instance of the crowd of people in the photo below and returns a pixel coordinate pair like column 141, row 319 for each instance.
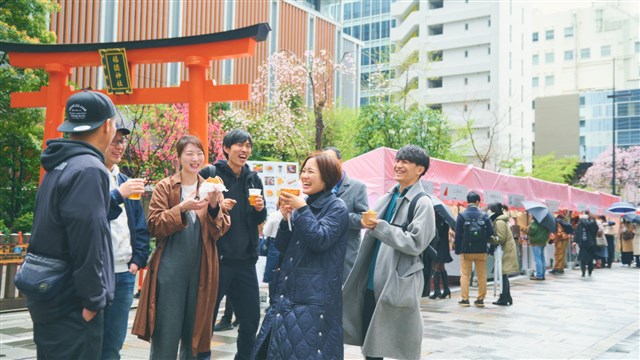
column 335, row 276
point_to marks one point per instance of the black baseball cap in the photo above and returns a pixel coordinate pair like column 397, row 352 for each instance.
column 87, row 110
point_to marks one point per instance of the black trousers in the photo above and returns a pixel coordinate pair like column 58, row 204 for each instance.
column 239, row 282
column 369, row 308
column 70, row 337
column 610, row 248
column 506, row 288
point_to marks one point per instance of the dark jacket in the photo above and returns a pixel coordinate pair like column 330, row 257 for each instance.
column 137, row 224
column 585, row 237
column 70, row 223
column 241, row 241
column 471, row 212
column 305, row 322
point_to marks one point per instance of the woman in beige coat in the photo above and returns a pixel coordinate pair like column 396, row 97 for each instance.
column 504, row 238
column 627, row 235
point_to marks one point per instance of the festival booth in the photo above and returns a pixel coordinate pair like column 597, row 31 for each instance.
column 452, row 181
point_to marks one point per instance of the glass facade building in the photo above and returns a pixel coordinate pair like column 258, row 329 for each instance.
column 369, row 21
column 596, row 121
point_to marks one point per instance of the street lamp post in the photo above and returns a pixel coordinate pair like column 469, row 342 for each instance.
column 613, row 136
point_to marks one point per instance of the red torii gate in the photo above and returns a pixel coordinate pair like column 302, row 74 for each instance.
column 196, row 52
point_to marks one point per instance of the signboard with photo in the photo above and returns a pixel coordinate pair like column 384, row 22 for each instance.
column 552, row 205
column 493, row 197
column 275, row 176
column 453, row 192
column 515, row 200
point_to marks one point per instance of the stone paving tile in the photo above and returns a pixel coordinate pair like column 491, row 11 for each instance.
column 560, row 318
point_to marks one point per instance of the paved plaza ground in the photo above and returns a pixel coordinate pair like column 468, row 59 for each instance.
column 564, row 317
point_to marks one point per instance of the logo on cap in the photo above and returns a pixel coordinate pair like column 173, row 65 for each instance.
column 77, row 112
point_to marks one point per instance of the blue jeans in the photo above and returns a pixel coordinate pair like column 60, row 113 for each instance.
column 116, row 316
column 538, row 256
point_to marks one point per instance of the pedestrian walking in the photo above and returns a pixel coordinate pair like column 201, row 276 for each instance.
column 585, row 237
column 70, row 229
column 538, row 237
column 627, row 234
column 175, row 311
column 610, row 233
column 504, row 238
column 130, row 241
column 305, row 321
column 473, row 231
column 443, row 257
column 382, row 293
column 354, row 195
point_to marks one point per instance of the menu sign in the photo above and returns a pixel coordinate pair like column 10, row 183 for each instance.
column 275, row 176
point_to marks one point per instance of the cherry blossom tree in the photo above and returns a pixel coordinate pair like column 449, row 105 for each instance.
column 598, row 176
column 283, row 81
column 155, row 130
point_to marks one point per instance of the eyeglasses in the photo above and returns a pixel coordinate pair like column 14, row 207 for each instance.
column 122, row 142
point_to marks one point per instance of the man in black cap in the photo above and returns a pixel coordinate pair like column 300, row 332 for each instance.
column 70, row 224
column 130, row 240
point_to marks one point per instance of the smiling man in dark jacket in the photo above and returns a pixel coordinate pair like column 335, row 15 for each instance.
column 238, row 248
column 70, row 224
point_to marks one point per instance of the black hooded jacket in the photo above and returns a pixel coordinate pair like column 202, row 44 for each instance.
column 70, row 223
column 241, row 241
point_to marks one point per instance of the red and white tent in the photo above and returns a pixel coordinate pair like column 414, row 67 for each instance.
column 451, row 182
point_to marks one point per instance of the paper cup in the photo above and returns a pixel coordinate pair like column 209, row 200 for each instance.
column 367, row 216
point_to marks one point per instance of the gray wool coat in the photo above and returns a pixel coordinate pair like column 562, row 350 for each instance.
column 354, row 195
column 396, row 326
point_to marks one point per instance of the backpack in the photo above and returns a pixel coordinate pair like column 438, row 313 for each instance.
column 582, row 238
column 430, row 251
column 475, row 236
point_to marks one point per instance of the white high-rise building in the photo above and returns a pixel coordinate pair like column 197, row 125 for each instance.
column 471, row 59
column 573, row 51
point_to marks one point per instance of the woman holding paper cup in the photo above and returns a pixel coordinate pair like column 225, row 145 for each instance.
column 308, row 288
column 175, row 307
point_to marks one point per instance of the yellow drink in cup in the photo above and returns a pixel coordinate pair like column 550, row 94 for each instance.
column 136, row 196
column 292, row 191
column 253, row 195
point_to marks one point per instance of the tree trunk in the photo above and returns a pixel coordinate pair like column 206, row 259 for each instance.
column 317, row 112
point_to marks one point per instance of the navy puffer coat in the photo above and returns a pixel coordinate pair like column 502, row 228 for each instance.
column 305, row 321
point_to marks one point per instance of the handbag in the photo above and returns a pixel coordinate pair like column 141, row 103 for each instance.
column 41, row 278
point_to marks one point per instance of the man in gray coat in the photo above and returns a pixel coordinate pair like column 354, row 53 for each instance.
column 354, row 195
column 382, row 294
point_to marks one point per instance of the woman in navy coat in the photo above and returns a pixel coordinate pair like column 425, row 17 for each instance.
column 305, row 321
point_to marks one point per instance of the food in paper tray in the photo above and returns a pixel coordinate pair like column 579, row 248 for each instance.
column 210, row 184
column 368, row 215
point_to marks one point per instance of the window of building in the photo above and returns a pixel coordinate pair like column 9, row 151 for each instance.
column 435, row 4
column 489, row 23
column 638, row 46
column 366, row 9
column 549, row 58
column 535, row 59
column 375, row 31
column 585, row 53
column 568, row 32
column 605, row 50
column 347, row 30
column 434, row 83
column 466, row 26
column 466, row 108
column 599, row 20
column 549, row 80
column 355, row 31
column 489, row 50
column 356, row 10
column 488, row 106
column 534, row 37
column 347, row 11
column 466, row 81
column 548, row 35
column 366, row 32
column 535, row 81
column 435, row 56
column 436, row 29
column 435, row 107
column 364, row 59
column 488, row 78
column 386, row 7
column 375, row 7
column 466, row 53
column 568, row 55
column 582, row 100
column 384, row 29
column 582, row 123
